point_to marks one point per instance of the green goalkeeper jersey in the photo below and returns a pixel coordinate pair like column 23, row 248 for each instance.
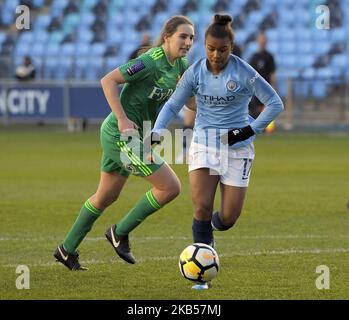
column 150, row 81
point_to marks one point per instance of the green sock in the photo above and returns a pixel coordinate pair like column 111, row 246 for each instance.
column 145, row 207
column 83, row 224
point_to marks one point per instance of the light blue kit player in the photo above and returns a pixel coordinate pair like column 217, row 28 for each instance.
column 223, row 86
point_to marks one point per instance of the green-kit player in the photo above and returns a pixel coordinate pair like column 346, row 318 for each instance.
column 149, row 81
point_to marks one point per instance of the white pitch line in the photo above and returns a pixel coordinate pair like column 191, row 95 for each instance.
column 223, row 255
column 155, row 238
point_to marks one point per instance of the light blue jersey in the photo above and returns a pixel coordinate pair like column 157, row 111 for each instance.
column 222, row 100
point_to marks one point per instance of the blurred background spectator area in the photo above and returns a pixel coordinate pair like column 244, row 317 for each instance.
column 84, row 39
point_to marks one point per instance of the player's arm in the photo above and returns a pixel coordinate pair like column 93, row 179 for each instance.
column 191, row 104
column 130, row 72
column 110, row 84
column 270, row 99
column 273, row 107
column 179, row 98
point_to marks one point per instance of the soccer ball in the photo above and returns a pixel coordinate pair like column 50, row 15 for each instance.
column 199, row 262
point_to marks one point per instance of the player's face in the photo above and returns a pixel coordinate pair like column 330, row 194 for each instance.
column 181, row 41
column 217, row 51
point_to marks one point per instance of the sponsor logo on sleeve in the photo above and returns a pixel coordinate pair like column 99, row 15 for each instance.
column 138, row 66
column 254, row 78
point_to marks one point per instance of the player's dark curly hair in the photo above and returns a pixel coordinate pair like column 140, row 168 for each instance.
column 221, row 27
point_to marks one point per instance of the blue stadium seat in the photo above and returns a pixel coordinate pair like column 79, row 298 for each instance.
column 82, row 50
column 288, row 47
column 273, row 35
column 116, row 18
column 294, row 41
column 22, row 49
column 326, row 73
column 53, row 49
column 241, row 36
column 97, row 49
column 68, row 49
column 84, row 36
column 340, row 61
column 319, row 89
column 3, row 36
column 286, row 18
column 38, row 49
column 288, row 34
column 339, row 35
column 95, row 69
column 321, row 47
column 281, row 86
column 250, row 49
column 50, row 67
column 65, row 68
column 57, row 8
column 111, row 63
column 88, row 4
column 302, row 16
column 304, row 35
column 308, row 73
column 26, row 37
column 81, row 65
column 302, row 87
column 288, row 61
column 304, row 47
column 42, row 22
column 86, row 19
column 70, row 22
column 38, row 62
column 40, row 36
column 114, row 37
column 273, row 47
column 321, row 35
column 131, row 17
column 306, row 61
column 126, row 50
column 56, row 37
column 38, row 3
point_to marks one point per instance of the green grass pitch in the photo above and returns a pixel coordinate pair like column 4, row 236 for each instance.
column 295, row 218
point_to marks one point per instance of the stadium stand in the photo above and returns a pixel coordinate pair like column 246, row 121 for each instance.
column 87, row 38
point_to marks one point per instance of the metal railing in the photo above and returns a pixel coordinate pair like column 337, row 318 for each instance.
column 316, row 103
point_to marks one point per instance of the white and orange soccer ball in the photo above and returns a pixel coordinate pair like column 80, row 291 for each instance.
column 199, row 262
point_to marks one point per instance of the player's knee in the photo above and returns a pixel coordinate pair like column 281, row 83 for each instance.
column 174, row 189
column 223, row 223
column 202, row 211
column 229, row 223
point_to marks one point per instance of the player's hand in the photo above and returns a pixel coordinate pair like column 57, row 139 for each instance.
column 126, row 125
column 151, row 140
column 154, row 138
column 236, row 135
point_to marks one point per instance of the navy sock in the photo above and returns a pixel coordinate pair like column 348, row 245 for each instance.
column 202, row 231
column 217, row 223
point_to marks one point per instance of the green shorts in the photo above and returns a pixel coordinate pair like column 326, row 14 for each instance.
column 126, row 156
